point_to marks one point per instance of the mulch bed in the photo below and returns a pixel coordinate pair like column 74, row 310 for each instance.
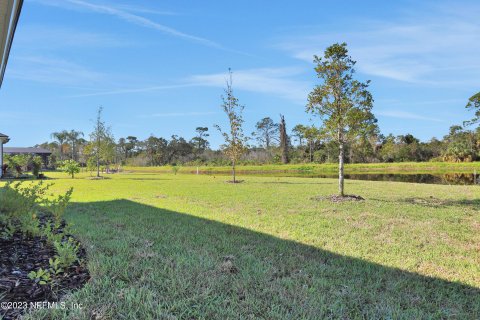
column 337, row 198
column 20, row 255
column 236, row 181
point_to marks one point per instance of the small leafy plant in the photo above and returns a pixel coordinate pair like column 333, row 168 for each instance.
column 41, row 276
column 67, row 252
column 175, row 169
column 55, row 266
column 57, row 206
column 20, row 206
column 71, row 167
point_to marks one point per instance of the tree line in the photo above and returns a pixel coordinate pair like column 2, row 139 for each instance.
column 347, row 130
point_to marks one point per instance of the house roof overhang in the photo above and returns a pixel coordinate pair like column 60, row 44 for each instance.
column 9, row 15
column 4, row 138
column 17, row 150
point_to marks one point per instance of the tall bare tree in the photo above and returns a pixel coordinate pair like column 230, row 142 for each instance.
column 235, row 139
column 101, row 141
column 284, row 141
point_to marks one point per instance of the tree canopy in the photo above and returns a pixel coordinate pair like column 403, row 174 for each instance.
column 343, row 103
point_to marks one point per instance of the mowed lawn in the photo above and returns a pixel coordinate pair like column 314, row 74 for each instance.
column 164, row 246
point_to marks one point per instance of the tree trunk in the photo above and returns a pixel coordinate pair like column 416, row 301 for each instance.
column 233, row 171
column 340, row 170
column 98, row 162
column 283, row 140
column 98, row 167
column 311, row 151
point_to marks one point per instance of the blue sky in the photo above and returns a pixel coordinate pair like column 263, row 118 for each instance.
column 159, row 67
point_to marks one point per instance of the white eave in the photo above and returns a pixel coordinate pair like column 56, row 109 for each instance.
column 9, row 14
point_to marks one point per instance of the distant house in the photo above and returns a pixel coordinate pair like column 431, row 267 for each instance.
column 41, row 152
column 3, row 140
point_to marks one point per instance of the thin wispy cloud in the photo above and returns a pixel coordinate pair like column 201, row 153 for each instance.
column 58, row 37
column 133, row 8
column 399, row 114
column 176, row 114
column 435, row 49
column 130, row 18
column 52, row 71
column 133, row 90
column 280, row 82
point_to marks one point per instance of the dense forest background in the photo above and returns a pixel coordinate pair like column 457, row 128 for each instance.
column 306, row 144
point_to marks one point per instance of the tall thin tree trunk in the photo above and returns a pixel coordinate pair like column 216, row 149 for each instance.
column 340, row 170
column 98, row 167
column 98, row 157
column 283, row 140
column 311, row 151
column 233, row 171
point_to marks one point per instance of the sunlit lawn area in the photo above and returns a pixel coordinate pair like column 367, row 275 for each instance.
column 164, row 246
column 325, row 168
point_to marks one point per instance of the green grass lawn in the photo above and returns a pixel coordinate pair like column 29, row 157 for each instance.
column 327, row 168
column 162, row 246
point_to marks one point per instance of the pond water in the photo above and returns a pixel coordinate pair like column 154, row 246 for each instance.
column 454, row 179
column 446, row 178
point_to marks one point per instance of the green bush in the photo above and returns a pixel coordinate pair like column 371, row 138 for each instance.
column 16, row 200
column 16, row 164
column 66, row 252
column 20, row 207
column 37, row 163
column 71, row 167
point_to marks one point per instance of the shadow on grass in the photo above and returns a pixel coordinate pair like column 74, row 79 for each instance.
column 288, row 182
column 433, row 202
column 146, row 179
column 178, row 265
column 438, row 203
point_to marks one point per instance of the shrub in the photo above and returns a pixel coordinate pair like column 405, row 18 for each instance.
column 37, row 163
column 17, row 162
column 16, row 200
column 175, row 169
column 19, row 205
column 66, row 252
column 57, row 206
column 70, row 166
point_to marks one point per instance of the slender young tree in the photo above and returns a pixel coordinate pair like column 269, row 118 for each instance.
column 101, row 140
column 235, row 139
column 343, row 103
column 284, row 141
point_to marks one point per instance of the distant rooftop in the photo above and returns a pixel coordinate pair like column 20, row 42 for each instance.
column 26, row 151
